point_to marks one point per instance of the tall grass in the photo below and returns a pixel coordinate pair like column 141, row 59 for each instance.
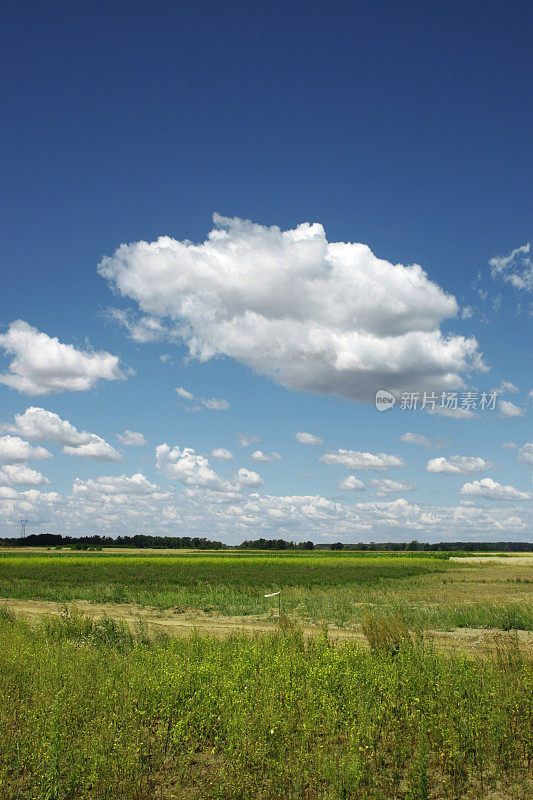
column 89, row 711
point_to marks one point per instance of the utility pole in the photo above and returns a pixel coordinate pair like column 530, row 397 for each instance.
column 23, row 523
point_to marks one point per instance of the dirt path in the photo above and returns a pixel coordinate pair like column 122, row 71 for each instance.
column 476, row 641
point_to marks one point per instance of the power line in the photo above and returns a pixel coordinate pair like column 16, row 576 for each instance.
column 23, row 523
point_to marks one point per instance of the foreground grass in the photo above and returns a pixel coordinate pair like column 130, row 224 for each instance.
column 89, row 711
column 428, row 590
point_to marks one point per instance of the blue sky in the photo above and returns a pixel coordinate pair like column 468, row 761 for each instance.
column 403, row 132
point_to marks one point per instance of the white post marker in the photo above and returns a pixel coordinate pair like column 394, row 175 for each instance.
column 278, row 595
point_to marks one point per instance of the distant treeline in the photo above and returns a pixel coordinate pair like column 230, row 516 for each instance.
column 144, row 540
column 140, row 540
column 466, row 547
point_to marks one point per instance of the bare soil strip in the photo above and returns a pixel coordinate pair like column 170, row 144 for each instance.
column 474, row 641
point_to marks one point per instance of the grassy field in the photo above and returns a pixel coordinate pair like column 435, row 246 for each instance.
column 91, row 709
column 428, row 589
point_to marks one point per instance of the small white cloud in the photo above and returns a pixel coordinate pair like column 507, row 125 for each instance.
column 353, row 483
column 137, row 484
column 194, row 470
column 39, row 425
column 184, row 393
column 494, row 491
column 43, row 365
column 97, row 450
column 308, row 438
column 166, row 358
column 21, row 475
column 245, row 440
column 415, row 438
column 467, row 312
column 248, row 479
column 221, row 454
column 458, row 465
column 508, row 409
column 509, row 446
column 215, row 404
column 525, row 454
column 388, row 486
column 14, row 450
column 131, row 439
column 356, row 460
column 516, row 268
column 259, row 456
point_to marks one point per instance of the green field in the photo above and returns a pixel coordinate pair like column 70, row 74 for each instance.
column 428, row 589
column 91, row 709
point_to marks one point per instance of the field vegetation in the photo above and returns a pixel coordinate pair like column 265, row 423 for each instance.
column 427, row 589
column 90, row 710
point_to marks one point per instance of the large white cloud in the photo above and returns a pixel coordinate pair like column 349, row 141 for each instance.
column 39, row 425
column 494, row 491
column 14, row 450
column 312, row 315
column 353, row 459
column 458, row 465
column 42, row 364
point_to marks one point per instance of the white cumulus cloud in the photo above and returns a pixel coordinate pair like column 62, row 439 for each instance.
column 97, row 450
column 494, row 491
column 14, row 450
column 39, row 425
column 324, row 317
column 221, row 454
column 353, row 483
column 21, row 475
column 458, row 465
column 308, row 438
column 131, row 439
column 259, row 456
column 137, row 484
column 508, row 409
column 355, row 460
column 43, row 365
column 193, row 470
